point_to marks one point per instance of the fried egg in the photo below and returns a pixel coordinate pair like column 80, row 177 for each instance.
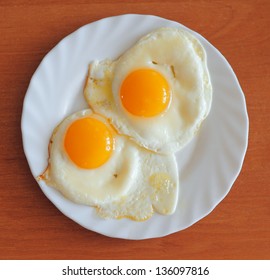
column 91, row 164
column 158, row 92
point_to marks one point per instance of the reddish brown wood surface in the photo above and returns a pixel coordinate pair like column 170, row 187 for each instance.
column 32, row 228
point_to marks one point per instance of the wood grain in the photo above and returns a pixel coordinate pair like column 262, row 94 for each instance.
column 32, row 228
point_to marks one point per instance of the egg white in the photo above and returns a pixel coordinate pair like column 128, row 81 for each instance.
column 181, row 59
column 132, row 183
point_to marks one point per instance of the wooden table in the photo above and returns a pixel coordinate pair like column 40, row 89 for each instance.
column 32, row 228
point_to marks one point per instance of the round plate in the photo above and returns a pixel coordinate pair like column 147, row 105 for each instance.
column 208, row 166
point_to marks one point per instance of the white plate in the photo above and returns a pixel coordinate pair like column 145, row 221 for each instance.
column 208, row 166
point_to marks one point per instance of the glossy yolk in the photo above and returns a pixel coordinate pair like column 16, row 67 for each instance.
column 145, row 93
column 88, row 142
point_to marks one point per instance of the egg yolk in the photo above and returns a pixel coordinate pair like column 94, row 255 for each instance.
column 145, row 93
column 88, row 142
